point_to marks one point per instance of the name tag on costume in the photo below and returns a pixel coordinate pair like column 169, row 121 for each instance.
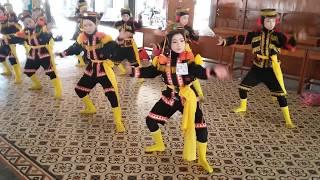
column 182, row 69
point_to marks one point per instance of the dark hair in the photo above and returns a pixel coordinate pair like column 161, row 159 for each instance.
column 12, row 17
column 174, row 32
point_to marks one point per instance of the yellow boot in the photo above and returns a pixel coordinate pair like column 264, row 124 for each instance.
column 140, row 80
column 286, row 115
column 202, row 153
column 7, row 71
column 36, row 85
column 57, row 87
column 122, row 69
column 89, row 107
column 242, row 107
column 17, row 72
column 118, row 119
column 81, row 61
column 197, row 87
column 159, row 145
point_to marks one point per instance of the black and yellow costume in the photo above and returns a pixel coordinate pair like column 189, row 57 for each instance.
column 266, row 69
column 191, row 36
column 39, row 55
column 99, row 49
column 129, row 49
column 9, row 27
column 42, row 26
column 179, row 95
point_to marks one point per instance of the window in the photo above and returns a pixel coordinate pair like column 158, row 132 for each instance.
column 201, row 18
column 153, row 12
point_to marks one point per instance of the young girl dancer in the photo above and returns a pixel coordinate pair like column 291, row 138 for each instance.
column 178, row 71
column 266, row 44
column 99, row 49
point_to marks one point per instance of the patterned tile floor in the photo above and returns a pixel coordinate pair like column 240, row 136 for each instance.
column 43, row 138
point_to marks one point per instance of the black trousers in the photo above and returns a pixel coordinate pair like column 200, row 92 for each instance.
column 127, row 53
column 258, row 75
column 166, row 107
column 32, row 65
column 87, row 83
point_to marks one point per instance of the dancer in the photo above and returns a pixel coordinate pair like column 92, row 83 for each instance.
column 129, row 50
column 182, row 21
column 266, row 44
column 9, row 26
column 38, row 55
column 178, row 71
column 100, row 49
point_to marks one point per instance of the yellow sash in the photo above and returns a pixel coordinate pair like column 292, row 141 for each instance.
column 276, row 69
column 108, row 65
column 50, row 50
column 49, row 47
column 188, row 126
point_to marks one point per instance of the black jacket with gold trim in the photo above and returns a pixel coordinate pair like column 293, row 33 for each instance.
column 263, row 42
column 97, row 47
column 168, row 69
column 130, row 26
column 7, row 30
column 36, row 39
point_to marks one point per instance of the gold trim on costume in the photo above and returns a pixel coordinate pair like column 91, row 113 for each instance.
column 94, row 47
column 267, row 44
column 268, row 12
column 256, row 49
column 256, row 39
column 274, row 38
column 262, row 43
column 244, row 88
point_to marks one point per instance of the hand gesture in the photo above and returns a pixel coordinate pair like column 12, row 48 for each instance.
column 221, row 72
column 220, row 41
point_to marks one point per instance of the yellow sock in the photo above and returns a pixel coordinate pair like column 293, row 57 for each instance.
column 17, row 73
column 36, row 85
column 57, row 87
column 158, row 142
column 202, row 153
column 7, row 71
column 242, row 107
column 89, row 107
column 117, row 116
column 287, row 118
column 122, row 69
